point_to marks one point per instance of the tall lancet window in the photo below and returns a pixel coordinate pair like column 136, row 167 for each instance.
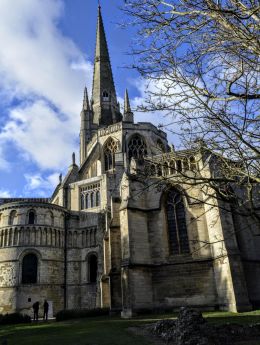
column 110, row 149
column 137, row 148
column 177, row 229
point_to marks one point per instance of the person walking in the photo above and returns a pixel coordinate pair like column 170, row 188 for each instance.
column 36, row 306
column 45, row 310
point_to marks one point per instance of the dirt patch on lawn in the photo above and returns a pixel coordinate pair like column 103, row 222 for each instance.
column 192, row 329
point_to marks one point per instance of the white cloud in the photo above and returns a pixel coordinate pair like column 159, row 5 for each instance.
column 45, row 70
column 38, row 130
column 43, row 186
column 4, row 165
column 4, row 193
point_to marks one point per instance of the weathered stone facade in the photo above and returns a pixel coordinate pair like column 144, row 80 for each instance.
column 123, row 232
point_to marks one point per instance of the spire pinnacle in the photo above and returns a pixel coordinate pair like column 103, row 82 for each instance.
column 85, row 100
column 128, row 114
column 73, row 158
column 127, row 107
column 105, row 108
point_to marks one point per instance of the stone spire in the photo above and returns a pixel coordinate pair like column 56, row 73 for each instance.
column 85, row 127
column 128, row 115
column 104, row 100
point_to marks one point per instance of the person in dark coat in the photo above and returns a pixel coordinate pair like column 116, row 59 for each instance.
column 45, row 310
column 36, row 306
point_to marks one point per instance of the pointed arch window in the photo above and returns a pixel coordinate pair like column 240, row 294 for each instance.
column 176, row 221
column 29, row 269
column 110, row 149
column 137, row 148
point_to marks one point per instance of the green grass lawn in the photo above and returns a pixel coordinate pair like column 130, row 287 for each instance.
column 100, row 331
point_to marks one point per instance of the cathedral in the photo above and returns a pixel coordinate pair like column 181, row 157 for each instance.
column 122, row 229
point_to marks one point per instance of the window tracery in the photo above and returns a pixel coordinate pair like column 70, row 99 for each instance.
column 160, row 146
column 176, row 220
column 110, row 149
column 137, row 148
column 90, row 196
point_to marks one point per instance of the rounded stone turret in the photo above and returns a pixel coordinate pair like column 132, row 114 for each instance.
column 31, row 255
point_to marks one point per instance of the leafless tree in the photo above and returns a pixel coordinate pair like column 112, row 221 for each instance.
column 201, row 61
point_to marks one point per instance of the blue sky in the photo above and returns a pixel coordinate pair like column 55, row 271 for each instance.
column 47, row 49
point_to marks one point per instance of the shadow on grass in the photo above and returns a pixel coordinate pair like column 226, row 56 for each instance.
column 102, row 330
column 94, row 331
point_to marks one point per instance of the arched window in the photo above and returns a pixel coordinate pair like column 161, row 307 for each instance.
column 172, row 167
column 153, row 170
column 97, row 198
column 92, row 200
column 92, row 268
column 159, row 170
column 105, row 96
column 110, row 149
column 160, row 146
column 31, row 217
column 179, row 165
column 165, row 168
column 29, row 269
column 82, row 201
column 185, row 164
column 177, row 229
column 193, row 165
column 87, row 201
column 137, row 148
column 12, row 217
